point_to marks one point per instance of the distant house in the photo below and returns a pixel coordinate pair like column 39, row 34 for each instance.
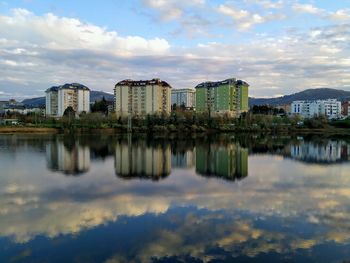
column 345, row 110
column 184, row 97
column 9, row 122
column 330, row 108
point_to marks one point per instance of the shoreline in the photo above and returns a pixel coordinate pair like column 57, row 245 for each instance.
column 41, row 130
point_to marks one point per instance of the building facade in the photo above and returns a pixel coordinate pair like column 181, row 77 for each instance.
column 142, row 97
column 229, row 96
column 345, row 109
column 59, row 98
column 183, row 98
column 308, row 109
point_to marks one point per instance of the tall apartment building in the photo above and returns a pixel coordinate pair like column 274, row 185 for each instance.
column 59, row 98
column 229, row 96
column 184, row 97
column 142, row 97
column 308, row 109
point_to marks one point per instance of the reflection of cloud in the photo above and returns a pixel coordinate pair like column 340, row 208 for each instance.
column 36, row 203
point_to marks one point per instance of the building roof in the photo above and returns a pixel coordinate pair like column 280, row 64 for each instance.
column 68, row 86
column 53, row 88
column 132, row 83
column 183, row 90
column 74, row 86
column 223, row 82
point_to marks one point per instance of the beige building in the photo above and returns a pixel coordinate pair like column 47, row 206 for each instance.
column 142, row 97
column 74, row 95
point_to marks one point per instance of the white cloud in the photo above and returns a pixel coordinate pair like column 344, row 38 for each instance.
column 40, row 51
column 245, row 20
column 50, row 31
column 342, row 14
column 172, row 9
column 307, row 8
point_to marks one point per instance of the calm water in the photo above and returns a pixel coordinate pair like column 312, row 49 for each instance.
column 217, row 199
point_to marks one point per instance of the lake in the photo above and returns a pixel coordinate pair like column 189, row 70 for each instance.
column 223, row 198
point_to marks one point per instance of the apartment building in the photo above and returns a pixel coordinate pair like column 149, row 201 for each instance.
column 229, row 96
column 142, row 97
column 59, row 98
column 308, row 109
column 183, row 98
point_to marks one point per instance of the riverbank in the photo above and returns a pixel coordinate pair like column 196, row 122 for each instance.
column 166, row 130
column 39, row 130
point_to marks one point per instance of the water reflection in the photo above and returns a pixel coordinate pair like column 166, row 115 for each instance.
column 139, row 160
column 285, row 209
column 68, row 156
column 229, row 161
column 320, row 152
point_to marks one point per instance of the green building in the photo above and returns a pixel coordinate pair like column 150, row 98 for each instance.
column 229, row 96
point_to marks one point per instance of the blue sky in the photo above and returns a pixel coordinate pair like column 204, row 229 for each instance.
column 277, row 46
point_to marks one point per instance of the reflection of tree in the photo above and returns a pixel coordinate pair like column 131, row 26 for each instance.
column 139, row 159
column 229, row 161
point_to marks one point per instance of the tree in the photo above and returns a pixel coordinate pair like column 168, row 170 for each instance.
column 69, row 112
column 100, row 106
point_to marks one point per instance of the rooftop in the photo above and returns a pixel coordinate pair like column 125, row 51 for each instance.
column 223, row 82
column 129, row 82
column 68, row 86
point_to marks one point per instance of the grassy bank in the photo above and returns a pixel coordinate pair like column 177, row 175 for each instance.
column 176, row 130
column 12, row 129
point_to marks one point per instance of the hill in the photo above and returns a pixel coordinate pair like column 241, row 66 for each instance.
column 309, row 94
column 94, row 96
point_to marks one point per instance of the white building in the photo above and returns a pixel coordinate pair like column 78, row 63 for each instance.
column 142, row 97
column 185, row 97
column 74, row 95
column 308, row 109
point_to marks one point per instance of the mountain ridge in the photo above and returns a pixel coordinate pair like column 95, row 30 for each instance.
column 308, row 94
column 94, row 96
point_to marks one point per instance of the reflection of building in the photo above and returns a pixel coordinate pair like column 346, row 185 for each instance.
column 228, row 96
column 308, row 109
column 227, row 161
column 142, row 97
column 138, row 160
column 184, row 97
column 69, row 159
column 74, row 95
column 183, row 159
column 330, row 152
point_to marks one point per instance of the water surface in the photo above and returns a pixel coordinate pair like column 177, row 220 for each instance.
column 208, row 199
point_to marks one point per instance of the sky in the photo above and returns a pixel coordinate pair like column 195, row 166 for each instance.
column 279, row 47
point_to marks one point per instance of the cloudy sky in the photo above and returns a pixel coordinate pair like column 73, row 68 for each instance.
column 277, row 46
